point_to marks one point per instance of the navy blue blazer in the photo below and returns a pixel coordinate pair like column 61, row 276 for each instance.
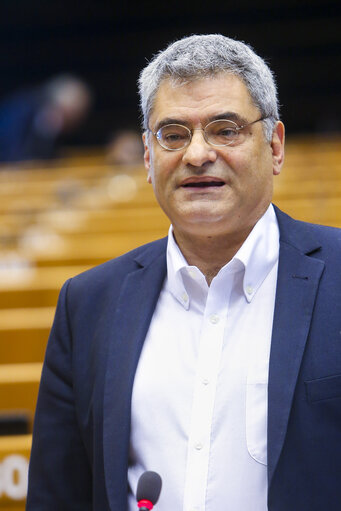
column 80, row 451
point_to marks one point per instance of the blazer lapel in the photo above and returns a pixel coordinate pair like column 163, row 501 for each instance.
column 134, row 310
column 297, row 284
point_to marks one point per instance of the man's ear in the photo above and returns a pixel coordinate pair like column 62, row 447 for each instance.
column 146, row 156
column 277, row 146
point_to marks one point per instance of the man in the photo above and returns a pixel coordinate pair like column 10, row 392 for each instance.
column 213, row 358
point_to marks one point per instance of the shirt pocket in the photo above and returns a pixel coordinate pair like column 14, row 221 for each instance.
column 323, row 388
column 257, row 411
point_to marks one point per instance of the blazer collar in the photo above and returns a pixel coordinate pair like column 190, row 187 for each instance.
column 296, row 233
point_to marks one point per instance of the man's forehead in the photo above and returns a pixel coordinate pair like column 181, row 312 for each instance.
column 177, row 84
column 212, row 96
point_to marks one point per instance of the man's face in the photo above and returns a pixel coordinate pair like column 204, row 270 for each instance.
column 207, row 190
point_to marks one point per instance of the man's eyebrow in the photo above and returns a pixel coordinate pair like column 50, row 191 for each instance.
column 170, row 120
column 230, row 116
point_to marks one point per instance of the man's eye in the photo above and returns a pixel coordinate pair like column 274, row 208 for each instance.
column 173, row 137
column 228, row 133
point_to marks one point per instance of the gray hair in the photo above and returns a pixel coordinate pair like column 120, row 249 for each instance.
column 199, row 56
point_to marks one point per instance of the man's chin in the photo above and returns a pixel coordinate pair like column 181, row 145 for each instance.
column 198, row 223
column 204, row 213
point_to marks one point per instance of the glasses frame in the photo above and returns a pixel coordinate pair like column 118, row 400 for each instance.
column 190, row 131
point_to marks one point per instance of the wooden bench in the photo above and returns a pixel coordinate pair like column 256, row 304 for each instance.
column 325, row 211
column 24, row 334
column 86, row 250
column 19, row 385
column 34, row 287
column 91, row 200
column 114, row 221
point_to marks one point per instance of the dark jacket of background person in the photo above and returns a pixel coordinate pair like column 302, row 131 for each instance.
column 32, row 121
column 19, row 137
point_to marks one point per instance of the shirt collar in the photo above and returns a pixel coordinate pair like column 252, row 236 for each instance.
column 175, row 265
column 259, row 252
column 257, row 256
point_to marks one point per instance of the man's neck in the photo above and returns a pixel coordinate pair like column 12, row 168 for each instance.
column 210, row 253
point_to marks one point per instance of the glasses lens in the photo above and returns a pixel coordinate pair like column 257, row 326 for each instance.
column 173, row 136
column 222, row 133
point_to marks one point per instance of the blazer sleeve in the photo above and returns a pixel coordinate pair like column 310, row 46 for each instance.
column 59, row 471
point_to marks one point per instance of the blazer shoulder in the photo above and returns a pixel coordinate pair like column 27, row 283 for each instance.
column 324, row 233
column 116, row 269
column 308, row 237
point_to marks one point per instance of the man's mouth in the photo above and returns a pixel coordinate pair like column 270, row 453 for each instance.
column 204, row 183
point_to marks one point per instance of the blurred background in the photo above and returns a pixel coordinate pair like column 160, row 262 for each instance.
column 73, row 189
column 107, row 45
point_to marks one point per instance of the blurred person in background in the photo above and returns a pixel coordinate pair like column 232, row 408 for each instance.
column 125, row 147
column 33, row 120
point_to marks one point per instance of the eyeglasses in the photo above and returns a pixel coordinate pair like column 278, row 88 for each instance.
column 222, row 132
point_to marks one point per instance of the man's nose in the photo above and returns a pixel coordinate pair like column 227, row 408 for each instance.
column 198, row 152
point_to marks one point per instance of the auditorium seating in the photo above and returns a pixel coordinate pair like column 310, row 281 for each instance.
column 58, row 221
column 27, row 286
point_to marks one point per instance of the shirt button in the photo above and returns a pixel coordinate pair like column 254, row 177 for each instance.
column 249, row 290
column 214, row 319
column 205, row 381
column 198, row 446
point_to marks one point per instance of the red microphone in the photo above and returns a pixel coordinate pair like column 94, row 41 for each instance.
column 148, row 490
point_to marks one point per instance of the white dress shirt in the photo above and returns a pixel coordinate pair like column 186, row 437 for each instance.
column 199, row 404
